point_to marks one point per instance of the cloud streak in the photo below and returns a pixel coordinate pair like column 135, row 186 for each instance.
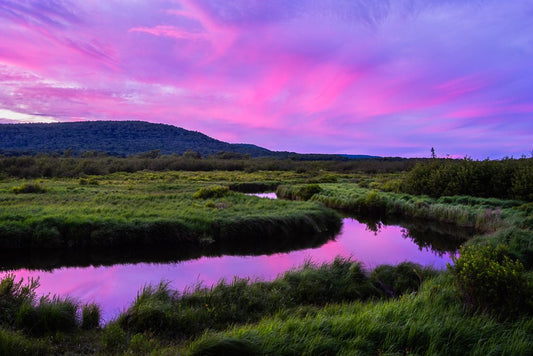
column 376, row 77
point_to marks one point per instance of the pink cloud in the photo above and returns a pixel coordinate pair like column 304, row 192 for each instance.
column 305, row 76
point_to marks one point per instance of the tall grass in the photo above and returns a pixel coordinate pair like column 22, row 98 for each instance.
column 482, row 214
column 20, row 309
column 161, row 310
column 431, row 322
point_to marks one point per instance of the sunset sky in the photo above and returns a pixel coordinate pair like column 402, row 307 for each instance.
column 379, row 77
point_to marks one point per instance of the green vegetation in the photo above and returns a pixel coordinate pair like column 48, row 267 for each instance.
column 28, row 188
column 482, row 304
column 335, row 308
column 431, row 322
column 146, row 209
column 482, row 214
column 160, row 310
column 489, row 280
column 506, row 179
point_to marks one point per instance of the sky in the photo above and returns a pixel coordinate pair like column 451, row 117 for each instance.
column 378, row 77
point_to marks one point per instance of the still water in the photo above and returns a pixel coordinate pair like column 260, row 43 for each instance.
column 115, row 287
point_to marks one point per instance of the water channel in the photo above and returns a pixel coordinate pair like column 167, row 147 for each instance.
column 115, row 286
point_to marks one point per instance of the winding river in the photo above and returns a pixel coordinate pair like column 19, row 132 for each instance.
column 114, row 287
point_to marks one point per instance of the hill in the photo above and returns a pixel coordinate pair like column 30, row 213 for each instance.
column 113, row 137
column 124, row 138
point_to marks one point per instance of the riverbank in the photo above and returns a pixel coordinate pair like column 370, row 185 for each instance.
column 497, row 221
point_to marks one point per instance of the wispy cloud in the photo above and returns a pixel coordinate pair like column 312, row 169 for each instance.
column 379, row 77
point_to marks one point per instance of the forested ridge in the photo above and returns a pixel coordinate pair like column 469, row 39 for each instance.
column 112, row 137
column 125, row 138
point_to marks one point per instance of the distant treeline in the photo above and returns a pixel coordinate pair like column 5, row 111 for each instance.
column 505, row 179
column 93, row 163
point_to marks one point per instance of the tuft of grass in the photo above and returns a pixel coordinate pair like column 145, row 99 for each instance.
column 28, row 188
column 49, row 316
column 215, row 191
column 15, row 343
column 90, row 316
column 13, row 295
column 113, row 338
column 299, row 192
column 404, row 278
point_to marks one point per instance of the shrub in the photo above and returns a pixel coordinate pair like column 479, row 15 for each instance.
column 490, row 281
column 28, row 188
column 215, row 191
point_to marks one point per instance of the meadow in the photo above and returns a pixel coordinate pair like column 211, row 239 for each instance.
column 147, row 209
column 482, row 304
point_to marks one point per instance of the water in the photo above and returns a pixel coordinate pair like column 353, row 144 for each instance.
column 115, row 287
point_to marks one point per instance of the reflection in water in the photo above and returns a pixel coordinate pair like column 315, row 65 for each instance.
column 270, row 195
column 115, row 287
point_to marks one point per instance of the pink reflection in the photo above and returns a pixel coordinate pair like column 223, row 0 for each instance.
column 114, row 288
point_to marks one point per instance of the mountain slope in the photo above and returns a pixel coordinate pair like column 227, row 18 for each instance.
column 114, row 137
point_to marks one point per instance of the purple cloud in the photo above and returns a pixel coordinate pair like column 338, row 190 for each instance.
column 375, row 77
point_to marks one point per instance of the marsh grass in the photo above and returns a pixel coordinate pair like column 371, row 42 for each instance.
column 15, row 343
column 90, row 316
column 430, row 322
column 482, row 214
column 144, row 209
column 27, row 188
column 163, row 311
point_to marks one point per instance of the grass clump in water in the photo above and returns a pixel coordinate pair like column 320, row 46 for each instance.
column 299, row 192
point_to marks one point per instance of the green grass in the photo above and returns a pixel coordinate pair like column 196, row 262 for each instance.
column 160, row 310
column 151, row 208
column 498, row 221
column 336, row 308
column 431, row 322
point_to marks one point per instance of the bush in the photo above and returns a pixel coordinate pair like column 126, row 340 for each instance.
column 489, row 281
column 28, row 188
column 215, row 191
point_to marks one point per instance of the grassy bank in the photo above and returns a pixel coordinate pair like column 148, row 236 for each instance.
column 331, row 309
column 147, row 209
column 507, row 222
column 430, row 322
